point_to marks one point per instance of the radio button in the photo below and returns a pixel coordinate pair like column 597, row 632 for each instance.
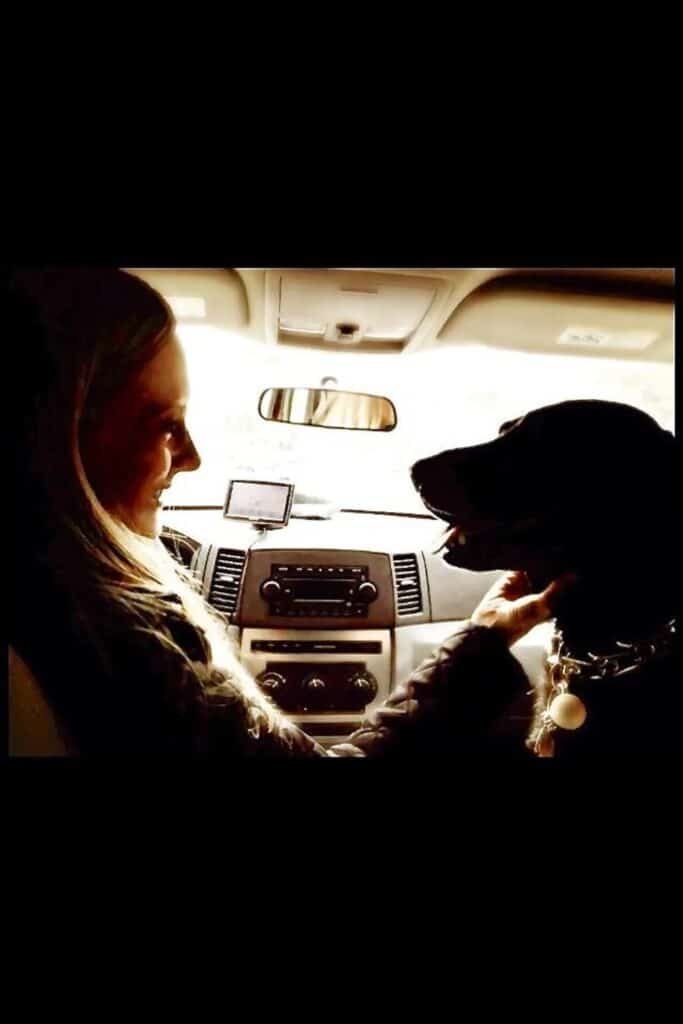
column 367, row 592
column 271, row 589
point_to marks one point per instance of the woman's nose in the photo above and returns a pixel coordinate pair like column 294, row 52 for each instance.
column 189, row 458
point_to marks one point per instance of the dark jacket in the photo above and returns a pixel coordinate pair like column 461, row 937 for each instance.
column 457, row 701
column 143, row 696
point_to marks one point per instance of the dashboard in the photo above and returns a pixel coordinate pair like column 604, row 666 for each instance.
column 330, row 614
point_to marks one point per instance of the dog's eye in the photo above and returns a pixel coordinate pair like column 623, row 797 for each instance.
column 509, row 425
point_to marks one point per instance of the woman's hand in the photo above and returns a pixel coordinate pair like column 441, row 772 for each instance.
column 511, row 608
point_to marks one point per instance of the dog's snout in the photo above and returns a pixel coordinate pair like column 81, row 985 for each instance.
column 417, row 474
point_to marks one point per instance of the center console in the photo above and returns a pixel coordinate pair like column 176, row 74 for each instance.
column 325, row 681
column 316, row 634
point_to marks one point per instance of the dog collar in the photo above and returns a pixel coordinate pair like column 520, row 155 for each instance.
column 564, row 710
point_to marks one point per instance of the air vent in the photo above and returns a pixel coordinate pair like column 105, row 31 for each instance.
column 407, row 585
column 227, row 577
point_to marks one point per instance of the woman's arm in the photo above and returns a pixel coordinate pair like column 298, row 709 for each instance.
column 450, row 704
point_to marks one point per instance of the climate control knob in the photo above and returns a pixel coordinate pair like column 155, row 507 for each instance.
column 362, row 688
column 314, row 690
column 273, row 683
column 366, row 592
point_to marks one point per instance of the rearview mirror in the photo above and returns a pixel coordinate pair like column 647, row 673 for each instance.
column 323, row 407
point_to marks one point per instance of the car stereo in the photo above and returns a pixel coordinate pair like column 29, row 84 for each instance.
column 302, row 591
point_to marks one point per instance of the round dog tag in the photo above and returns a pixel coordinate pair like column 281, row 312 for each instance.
column 567, row 711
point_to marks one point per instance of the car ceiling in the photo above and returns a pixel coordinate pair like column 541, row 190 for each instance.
column 605, row 312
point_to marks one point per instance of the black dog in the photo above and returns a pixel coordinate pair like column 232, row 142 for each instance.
column 582, row 486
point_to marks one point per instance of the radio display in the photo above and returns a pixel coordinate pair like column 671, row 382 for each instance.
column 317, row 591
column 322, row 590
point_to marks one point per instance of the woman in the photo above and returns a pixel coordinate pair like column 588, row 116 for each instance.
column 129, row 655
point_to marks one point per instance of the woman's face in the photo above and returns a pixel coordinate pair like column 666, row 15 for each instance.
column 140, row 441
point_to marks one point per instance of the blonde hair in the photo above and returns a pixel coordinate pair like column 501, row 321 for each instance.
column 83, row 333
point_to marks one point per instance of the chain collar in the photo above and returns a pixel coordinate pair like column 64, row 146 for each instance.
column 565, row 710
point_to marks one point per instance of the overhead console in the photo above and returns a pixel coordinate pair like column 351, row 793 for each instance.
column 363, row 309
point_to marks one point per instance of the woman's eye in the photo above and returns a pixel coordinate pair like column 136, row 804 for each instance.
column 174, row 428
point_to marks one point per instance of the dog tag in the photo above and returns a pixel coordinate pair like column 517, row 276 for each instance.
column 567, row 711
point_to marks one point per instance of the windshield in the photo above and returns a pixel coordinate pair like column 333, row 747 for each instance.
column 445, row 397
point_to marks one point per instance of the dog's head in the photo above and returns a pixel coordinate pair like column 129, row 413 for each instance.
column 581, row 485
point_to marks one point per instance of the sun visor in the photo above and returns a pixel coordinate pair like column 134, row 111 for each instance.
column 543, row 317
column 212, row 297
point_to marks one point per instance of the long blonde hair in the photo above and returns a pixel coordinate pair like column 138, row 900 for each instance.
column 81, row 334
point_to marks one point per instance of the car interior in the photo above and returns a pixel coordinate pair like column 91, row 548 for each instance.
column 313, row 391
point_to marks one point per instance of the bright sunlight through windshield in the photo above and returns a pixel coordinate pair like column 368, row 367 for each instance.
column 445, row 397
